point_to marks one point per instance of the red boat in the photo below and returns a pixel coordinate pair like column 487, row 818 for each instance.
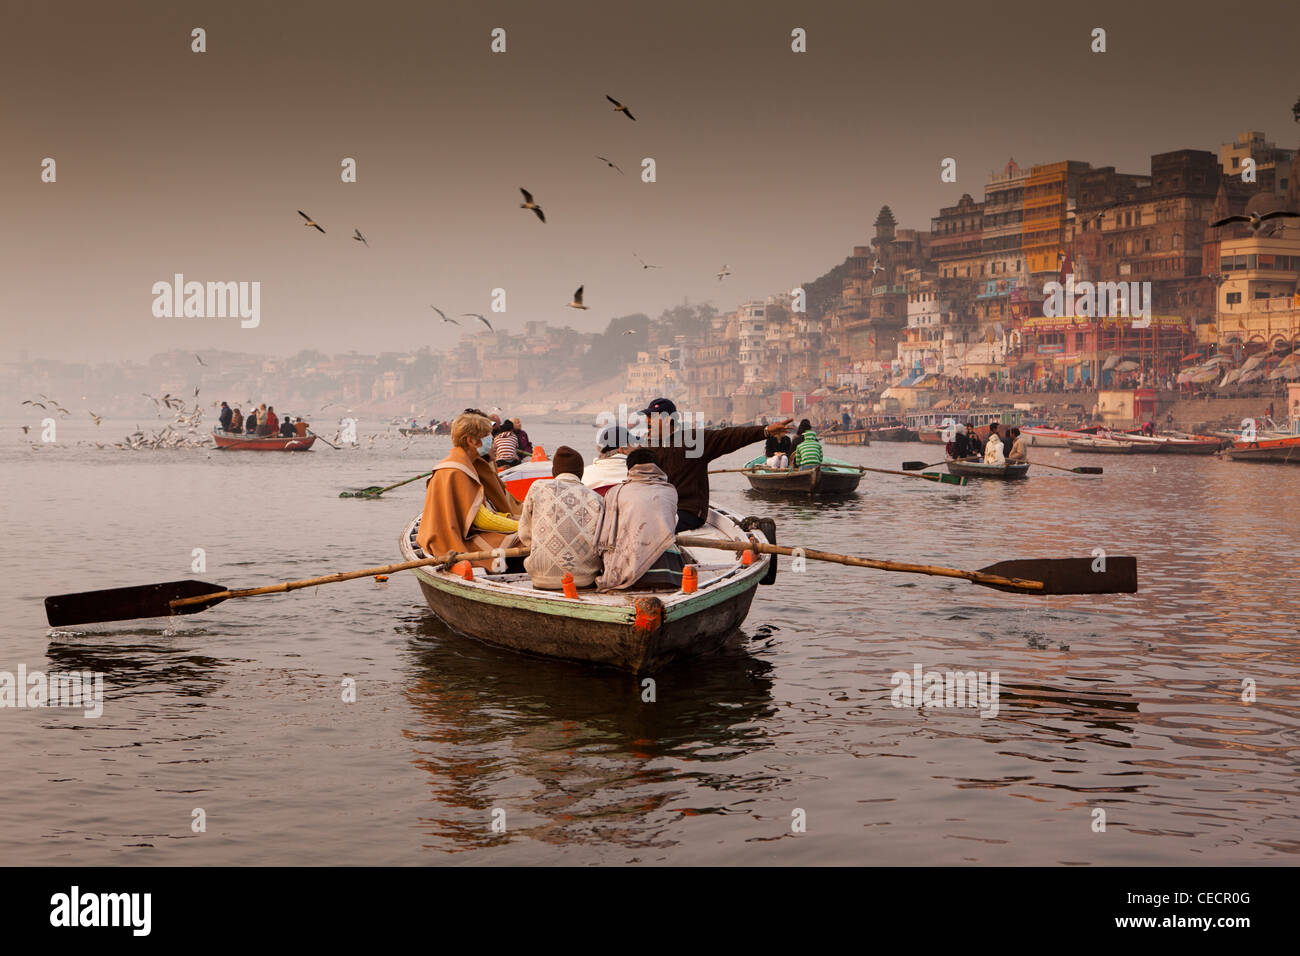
column 234, row 442
column 1285, row 450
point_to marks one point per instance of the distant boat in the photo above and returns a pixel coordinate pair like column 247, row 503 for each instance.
column 854, row 436
column 232, row 442
column 979, row 469
column 1102, row 446
column 831, row 477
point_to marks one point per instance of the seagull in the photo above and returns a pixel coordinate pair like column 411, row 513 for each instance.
column 356, row 234
column 529, row 204
column 611, row 164
column 876, row 267
column 309, row 221
column 666, row 360
column 199, row 360
column 644, row 264
column 1092, row 219
column 97, row 418
column 577, row 300
column 724, row 273
column 37, row 404
column 481, row 318
column 444, row 315
column 630, row 332
column 620, row 108
column 25, row 428
column 1255, row 220
column 61, row 410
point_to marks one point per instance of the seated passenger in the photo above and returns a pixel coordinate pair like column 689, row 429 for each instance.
column 463, row 483
column 521, row 436
column 1018, row 453
column 777, row 451
column 558, row 522
column 236, row 421
column 610, row 467
column 286, row 427
column 505, row 445
column 993, row 450
column 636, row 538
column 961, row 443
column 808, row 453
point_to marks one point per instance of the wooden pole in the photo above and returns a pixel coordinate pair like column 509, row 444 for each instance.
column 979, row 577
column 351, row 575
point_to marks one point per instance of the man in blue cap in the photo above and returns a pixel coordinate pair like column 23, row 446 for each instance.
column 684, row 456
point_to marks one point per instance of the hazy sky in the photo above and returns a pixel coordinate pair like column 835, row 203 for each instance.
column 772, row 162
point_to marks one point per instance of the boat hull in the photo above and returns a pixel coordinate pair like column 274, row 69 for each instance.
column 978, row 469
column 1284, row 451
column 858, row 436
column 1099, row 447
column 637, row 631
column 235, row 443
column 826, row 479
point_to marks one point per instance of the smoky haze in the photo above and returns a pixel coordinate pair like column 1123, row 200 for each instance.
column 772, row 162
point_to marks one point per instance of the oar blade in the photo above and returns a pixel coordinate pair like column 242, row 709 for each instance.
column 126, row 604
column 944, row 478
column 1087, row 470
column 915, row 465
column 1112, row 575
column 362, row 492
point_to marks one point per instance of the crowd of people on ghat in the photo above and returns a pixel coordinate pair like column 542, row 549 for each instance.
column 611, row 524
column 998, row 449
column 261, row 422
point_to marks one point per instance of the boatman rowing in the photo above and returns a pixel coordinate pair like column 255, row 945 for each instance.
column 687, row 463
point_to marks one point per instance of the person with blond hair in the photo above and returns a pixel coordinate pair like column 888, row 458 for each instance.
column 466, row 507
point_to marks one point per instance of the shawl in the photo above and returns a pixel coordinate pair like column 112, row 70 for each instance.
column 638, row 525
column 459, row 484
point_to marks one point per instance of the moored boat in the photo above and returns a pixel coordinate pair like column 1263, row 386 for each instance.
column 631, row 630
column 1278, row 450
column 855, row 436
column 233, row 442
column 831, row 477
column 893, row 433
column 1103, row 446
column 519, row 478
column 978, row 469
column 1045, row 436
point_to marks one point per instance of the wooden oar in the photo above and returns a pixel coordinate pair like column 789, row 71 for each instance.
column 327, row 441
column 190, row 597
column 919, row 465
column 1081, row 470
column 1028, row 576
column 932, row 476
column 374, row 491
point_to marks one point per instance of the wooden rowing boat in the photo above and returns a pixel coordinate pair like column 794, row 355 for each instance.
column 1008, row 471
column 831, row 477
column 1102, row 446
column 893, row 433
column 631, row 630
column 232, row 442
column 854, row 436
column 1278, row 450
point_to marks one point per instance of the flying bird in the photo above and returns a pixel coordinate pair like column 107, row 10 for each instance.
column 620, row 108
column 611, row 164
column 37, row 404
column 97, row 418
column 444, row 315
column 630, row 332
column 724, row 273
column 1255, row 220
column 876, row 267
column 481, row 318
column 25, row 428
column 577, row 300
column 309, row 221
column 199, row 360
column 644, row 264
column 529, row 204
column 356, row 234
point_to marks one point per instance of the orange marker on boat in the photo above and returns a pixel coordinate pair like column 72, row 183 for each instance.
column 539, row 453
column 570, row 589
column 747, row 557
column 464, row 569
column 690, row 579
column 381, row 578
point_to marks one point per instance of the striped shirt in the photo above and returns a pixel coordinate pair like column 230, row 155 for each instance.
column 505, row 446
column 808, row 452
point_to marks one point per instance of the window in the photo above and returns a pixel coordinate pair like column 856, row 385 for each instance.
column 1233, row 298
column 1160, row 243
column 1146, row 245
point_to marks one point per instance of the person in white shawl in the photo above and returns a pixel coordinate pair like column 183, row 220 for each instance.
column 993, row 450
column 637, row 529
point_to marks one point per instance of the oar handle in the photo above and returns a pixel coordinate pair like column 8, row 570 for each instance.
column 350, row 575
column 978, row 577
column 406, row 482
column 325, row 440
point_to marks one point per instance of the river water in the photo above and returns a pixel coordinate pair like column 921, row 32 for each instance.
column 784, row 749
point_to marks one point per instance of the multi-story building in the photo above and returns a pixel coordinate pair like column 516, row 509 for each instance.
column 1272, row 164
column 1259, row 295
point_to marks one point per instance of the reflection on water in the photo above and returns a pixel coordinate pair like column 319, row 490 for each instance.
column 1174, row 710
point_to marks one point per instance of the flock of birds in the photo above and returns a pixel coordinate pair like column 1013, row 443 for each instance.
column 530, row 204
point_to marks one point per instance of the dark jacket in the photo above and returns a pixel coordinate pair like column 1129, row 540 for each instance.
column 690, row 475
column 226, row 415
column 286, row 429
column 777, row 446
column 961, row 446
